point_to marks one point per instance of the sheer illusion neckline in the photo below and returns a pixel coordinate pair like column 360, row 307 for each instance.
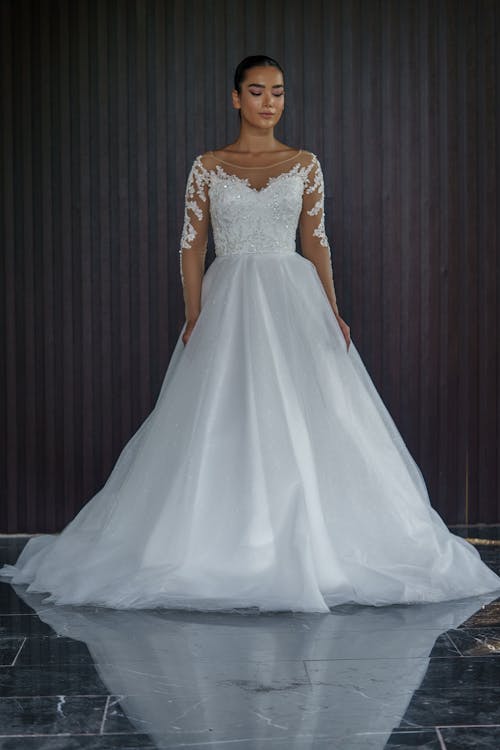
column 245, row 181
column 267, row 166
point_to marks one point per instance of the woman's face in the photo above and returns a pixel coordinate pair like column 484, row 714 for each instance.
column 262, row 97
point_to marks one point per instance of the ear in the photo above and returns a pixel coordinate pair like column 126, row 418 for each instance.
column 236, row 99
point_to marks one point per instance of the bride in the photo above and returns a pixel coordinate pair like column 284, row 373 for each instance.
column 269, row 474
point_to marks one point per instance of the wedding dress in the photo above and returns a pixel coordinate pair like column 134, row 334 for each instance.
column 269, row 473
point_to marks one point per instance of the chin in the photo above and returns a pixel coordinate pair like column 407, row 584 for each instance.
column 266, row 124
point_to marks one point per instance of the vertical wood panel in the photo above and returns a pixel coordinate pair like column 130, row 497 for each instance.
column 352, row 205
column 488, row 261
column 371, row 303
column 64, row 220
column 28, row 370
column 157, row 153
column 468, row 292
column 104, row 283
column 10, row 492
column 495, row 202
column 448, row 367
column 48, row 468
column 104, row 106
column 410, row 228
column 331, row 125
column 390, row 289
column 428, row 154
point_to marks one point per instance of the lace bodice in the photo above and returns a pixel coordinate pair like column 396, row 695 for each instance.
column 245, row 217
column 253, row 209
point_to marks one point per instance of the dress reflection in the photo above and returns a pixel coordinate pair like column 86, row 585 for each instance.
column 292, row 678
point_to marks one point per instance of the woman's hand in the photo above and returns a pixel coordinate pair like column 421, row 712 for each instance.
column 345, row 330
column 188, row 330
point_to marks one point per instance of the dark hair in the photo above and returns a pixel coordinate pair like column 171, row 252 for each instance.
column 252, row 62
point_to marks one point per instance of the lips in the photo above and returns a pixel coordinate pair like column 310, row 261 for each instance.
column 266, row 114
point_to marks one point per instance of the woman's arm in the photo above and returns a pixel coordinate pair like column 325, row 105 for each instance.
column 194, row 239
column 313, row 240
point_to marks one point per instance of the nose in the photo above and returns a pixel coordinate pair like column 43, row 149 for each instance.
column 267, row 99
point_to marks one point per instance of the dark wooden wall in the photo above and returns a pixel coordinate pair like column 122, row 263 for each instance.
column 104, row 105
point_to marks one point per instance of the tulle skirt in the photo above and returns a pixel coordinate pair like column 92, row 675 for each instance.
column 268, row 475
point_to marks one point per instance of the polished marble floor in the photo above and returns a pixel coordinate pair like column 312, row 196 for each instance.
column 359, row 678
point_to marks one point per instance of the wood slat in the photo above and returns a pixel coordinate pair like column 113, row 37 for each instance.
column 104, row 106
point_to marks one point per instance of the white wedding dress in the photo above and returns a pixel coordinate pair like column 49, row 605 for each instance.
column 269, row 473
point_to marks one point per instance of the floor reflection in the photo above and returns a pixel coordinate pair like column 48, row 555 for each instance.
column 262, row 680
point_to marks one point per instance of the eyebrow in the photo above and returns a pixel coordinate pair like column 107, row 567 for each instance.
column 261, row 85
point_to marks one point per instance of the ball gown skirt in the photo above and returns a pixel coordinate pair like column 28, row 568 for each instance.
column 269, row 473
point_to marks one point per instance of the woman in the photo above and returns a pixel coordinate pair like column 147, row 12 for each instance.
column 269, row 474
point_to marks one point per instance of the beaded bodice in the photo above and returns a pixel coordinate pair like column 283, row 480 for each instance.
column 253, row 219
column 246, row 220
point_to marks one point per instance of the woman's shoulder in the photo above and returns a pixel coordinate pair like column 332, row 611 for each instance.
column 207, row 159
column 309, row 158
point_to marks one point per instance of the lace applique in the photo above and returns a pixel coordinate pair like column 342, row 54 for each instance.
column 220, row 172
column 318, row 208
column 296, row 169
column 198, row 178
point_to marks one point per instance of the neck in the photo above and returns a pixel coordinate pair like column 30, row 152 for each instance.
column 256, row 140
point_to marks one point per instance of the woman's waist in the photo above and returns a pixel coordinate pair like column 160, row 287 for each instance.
column 258, row 251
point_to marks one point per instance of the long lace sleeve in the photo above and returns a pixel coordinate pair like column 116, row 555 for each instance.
column 193, row 245
column 313, row 240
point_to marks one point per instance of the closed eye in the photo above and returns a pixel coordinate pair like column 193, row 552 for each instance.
column 277, row 95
